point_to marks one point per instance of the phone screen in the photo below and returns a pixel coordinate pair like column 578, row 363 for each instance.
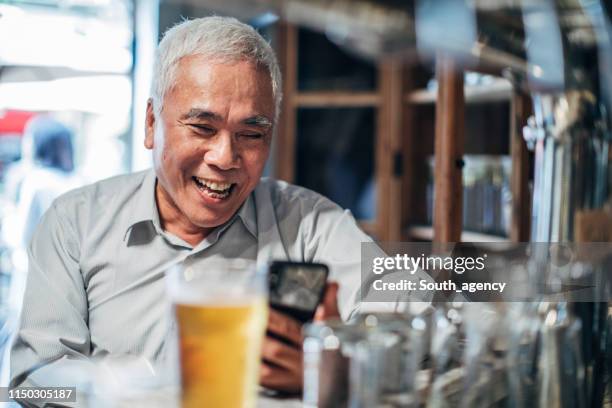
column 296, row 288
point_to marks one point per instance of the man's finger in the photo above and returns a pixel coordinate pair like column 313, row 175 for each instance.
column 329, row 305
column 281, row 354
column 285, row 327
column 282, row 366
column 280, row 379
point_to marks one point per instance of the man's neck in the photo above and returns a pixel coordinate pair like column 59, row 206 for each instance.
column 193, row 238
column 171, row 221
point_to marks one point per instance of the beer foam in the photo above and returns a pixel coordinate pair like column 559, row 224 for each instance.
column 221, row 298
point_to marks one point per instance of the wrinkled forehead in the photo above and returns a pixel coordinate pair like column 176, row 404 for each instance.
column 219, row 87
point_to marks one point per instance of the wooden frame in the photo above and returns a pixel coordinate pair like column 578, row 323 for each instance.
column 284, row 160
column 395, row 152
column 449, row 216
column 521, row 108
column 337, row 99
column 449, row 142
column 392, row 88
column 386, row 100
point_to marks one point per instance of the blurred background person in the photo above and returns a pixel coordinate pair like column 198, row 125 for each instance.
column 46, row 173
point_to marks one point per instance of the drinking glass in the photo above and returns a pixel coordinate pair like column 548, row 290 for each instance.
column 221, row 313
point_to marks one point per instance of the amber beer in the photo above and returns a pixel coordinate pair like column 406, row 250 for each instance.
column 220, row 351
column 221, row 316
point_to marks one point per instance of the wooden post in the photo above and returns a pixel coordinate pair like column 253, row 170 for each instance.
column 408, row 145
column 519, row 181
column 389, row 157
column 449, row 145
column 284, row 152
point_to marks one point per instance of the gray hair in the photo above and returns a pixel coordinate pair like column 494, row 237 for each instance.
column 222, row 38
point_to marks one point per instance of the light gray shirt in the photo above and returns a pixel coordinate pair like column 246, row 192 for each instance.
column 95, row 284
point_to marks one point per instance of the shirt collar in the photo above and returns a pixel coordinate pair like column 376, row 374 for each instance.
column 248, row 215
column 144, row 209
column 146, row 216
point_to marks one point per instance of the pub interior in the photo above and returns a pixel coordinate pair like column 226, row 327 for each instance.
column 453, row 130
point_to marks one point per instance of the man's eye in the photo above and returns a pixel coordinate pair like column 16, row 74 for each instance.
column 204, row 129
column 251, row 135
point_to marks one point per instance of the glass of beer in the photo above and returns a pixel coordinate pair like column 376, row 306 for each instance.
column 221, row 312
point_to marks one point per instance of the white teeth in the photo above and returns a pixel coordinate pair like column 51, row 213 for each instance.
column 217, row 195
column 214, row 186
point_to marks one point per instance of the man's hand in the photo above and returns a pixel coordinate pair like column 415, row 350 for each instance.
column 282, row 365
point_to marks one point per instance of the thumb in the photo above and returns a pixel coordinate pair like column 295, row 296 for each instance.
column 329, row 305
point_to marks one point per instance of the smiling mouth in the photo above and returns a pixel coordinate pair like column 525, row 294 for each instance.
column 214, row 189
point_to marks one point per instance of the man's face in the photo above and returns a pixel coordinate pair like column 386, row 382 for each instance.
column 210, row 142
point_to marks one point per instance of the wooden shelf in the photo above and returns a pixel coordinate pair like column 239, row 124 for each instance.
column 499, row 90
column 425, row 233
column 335, row 99
column 385, row 103
column 402, row 115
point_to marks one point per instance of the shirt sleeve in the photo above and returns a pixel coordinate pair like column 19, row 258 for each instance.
column 54, row 318
column 333, row 237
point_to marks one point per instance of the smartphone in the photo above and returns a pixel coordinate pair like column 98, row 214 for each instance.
column 296, row 288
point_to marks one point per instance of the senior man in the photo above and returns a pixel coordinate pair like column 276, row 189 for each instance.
column 95, row 284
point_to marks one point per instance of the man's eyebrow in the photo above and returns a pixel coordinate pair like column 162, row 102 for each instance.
column 258, row 120
column 201, row 114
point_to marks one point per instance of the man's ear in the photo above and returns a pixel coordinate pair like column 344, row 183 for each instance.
column 149, row 125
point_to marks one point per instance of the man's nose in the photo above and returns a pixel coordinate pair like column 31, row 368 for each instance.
column 222, row 152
